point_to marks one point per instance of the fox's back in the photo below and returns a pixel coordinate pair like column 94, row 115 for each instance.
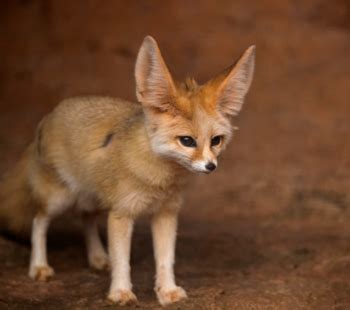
column 81, row 118
column 76, row 134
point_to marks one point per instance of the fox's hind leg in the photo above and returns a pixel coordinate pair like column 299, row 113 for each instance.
column 39, row 268
column 97, row 256
column 54, row 199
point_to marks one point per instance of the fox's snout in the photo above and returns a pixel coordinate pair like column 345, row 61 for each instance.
column 210, row 166
column 205, row 162
column 204, row 166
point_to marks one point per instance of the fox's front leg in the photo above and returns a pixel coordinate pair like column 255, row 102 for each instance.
column 164, row 226
column 119, row 243
column 39, row 268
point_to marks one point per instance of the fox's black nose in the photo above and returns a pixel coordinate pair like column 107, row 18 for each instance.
column 210, row 166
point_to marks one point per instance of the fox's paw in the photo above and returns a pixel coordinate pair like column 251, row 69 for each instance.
column 41, row 273
column 122, row 297
column 167, row 297
column 99, row 262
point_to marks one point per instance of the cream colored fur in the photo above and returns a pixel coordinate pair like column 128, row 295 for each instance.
column 100, row 153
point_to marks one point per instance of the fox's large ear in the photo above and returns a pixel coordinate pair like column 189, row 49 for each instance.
column 154, row 85
column 235, row 84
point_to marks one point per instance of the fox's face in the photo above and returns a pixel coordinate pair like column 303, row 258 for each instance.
column 194, row 139
column 188, row 123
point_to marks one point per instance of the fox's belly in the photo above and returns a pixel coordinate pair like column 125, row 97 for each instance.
column 85, row 199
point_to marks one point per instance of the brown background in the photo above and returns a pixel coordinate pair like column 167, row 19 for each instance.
column 269, row 229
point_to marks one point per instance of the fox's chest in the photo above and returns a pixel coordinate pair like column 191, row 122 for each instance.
column 137, row 202
column 133, row 197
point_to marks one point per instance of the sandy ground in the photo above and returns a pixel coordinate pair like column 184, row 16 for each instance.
column 269, row 229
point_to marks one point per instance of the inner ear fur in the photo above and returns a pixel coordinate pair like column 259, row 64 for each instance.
column 233, row 84
column 155, row 87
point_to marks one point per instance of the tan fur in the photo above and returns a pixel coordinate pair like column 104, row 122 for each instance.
column 101, row 153
column 17, row 206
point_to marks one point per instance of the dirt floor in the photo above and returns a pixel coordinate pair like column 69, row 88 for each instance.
column 269, row 229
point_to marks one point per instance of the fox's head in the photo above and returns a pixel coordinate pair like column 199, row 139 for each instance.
column 187, row 122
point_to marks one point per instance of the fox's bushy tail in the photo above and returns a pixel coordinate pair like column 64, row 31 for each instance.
column 16, row 199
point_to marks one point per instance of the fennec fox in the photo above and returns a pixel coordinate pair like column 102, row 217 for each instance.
column 99, row 153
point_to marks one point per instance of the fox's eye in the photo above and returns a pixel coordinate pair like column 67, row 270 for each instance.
column 216, row 140
column 188, row 141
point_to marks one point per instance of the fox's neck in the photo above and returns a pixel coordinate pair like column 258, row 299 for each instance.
column 148, row 166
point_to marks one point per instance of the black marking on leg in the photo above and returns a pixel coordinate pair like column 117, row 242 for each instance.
column 108, row 139
column 39, row 138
